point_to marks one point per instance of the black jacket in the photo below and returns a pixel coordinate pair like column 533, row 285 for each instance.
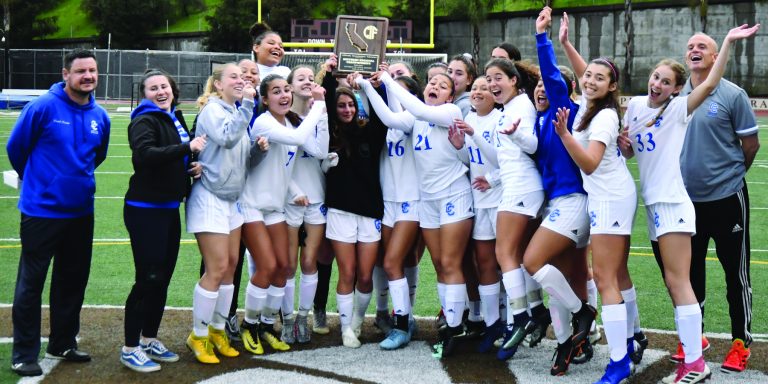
column 160, row 174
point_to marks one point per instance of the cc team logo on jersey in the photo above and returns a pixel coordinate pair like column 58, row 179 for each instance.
column 501, row 120
column 449, row 209
column 658, row 121
column 487, row 136
column 541, row 121
column 431, row 125
column 656, row 220
column 712, row 110
column 323, row 209
column 405, row 207
column 94, row 127
column 554, row 215
column 377, row 224
column 592, row 218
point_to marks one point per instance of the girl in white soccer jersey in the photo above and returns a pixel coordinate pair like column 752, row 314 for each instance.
column 611, row 192
column 523, row 193
column 656, row 127
column 263, row 201
column 480, row 125
column 212, row 212
column 446, row 201
column 307, row 207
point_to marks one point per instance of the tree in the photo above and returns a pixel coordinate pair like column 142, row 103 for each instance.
column 188, row 6
column 21, row 23
column 703, row 10
column 477, row 12
column 126, row 21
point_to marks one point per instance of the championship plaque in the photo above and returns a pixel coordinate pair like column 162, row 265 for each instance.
column 360, row 44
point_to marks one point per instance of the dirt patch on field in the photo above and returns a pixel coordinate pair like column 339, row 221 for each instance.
column 102, row 336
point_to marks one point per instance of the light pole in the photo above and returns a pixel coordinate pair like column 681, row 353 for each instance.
column 6, row 59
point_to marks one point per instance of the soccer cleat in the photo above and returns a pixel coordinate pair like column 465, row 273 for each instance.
column 680, row 354
column 492, row 333
column 383, row 322
column 220, row 341
column 320, row 323
column 582, row 323
column 301, row 328
column 512, row 339
column 736, row 359
column 447, row 339
column 583, row 354
column 617, row 372
column 250, row 336
column 27, row 369
column 638, row 344
column 689, row 373
column 268, row 335
column 595, row 336
column 562, row 358
column 156, row 351
column 349, row 339
column 71, row 355
column 233, row 328
column 474, row 329
column 396, row 338
column 536, row 330
column 138, row 361
column 287, row 334
column 202, row 348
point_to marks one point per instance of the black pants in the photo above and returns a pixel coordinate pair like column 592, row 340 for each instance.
column 155, row 235
column 68, row 242
column 726, row 221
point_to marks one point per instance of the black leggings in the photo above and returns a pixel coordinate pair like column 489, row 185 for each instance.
column 155, row 234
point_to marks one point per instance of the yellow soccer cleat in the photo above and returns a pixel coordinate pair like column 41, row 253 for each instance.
column 202, row 348
column 250, row 336
column 220, row 341
column 267, row 334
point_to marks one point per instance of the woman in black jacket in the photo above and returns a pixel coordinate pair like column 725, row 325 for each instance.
column 354, row 200
column 161, row 149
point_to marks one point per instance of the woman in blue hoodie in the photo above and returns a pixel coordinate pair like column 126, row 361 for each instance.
column 161, row 149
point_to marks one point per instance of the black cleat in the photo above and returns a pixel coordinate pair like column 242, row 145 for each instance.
column 582, row 324
column 583, row 354
column 562, row 358
column 640, row 343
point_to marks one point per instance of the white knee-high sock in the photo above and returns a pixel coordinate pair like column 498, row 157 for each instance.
column 561, row 320
column 251, row 264
column 633, row 317
column 381, row 286
column 274, row 300
column 514, row 283
column 412, row 275
column 223, row 302
column 475, row 311
column 307, row 289
column 615, row 326
column 689, row 329
column 441, row 294
column 344, row 303
column 288, row 298
column 362, row 301
column 203, row 305
column 255, row 300
column 398, row 289
column 553, row 281
column 533, row 290
column 455, row 299
column 489, row 297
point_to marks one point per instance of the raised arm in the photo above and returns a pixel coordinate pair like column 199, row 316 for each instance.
column 402, row 121
column 442, row 115
column 266, row 126
column 222, row 128
column 317, row 146
column 700, row 93
column 577, row 62
column 555, row 86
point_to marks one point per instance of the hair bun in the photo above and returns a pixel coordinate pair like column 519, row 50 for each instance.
column 258, row 28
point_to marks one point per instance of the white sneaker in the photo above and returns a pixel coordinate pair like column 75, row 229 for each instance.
column 349, row 339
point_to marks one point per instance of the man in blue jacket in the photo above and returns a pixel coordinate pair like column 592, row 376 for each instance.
column 58, row 141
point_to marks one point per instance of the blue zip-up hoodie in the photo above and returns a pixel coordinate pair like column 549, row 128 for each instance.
column 55, row 147
column 560, row 176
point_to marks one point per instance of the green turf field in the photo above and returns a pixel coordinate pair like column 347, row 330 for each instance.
column 112, row 269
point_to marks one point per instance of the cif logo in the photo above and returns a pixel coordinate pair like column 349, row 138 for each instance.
column 377, row 223
column 94, row 127
column 554, row 215
column 370, row 32
column 449, row 209
column 323, row 209
column 405, row 207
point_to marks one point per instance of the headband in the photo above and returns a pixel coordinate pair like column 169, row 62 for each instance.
column 609, row 64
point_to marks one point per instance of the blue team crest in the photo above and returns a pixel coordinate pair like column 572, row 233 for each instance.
column 405, row 207
column 593, row 218
column 656, row 220
column 323, row 209
column 377, row 223
column 487, row 136
column 554, row 215
column 431, row 125
column 501, row 120
column 658, row 121
column 712, row 110
column 449, row 209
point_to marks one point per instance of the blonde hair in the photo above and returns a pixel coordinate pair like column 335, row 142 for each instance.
column 210, row 88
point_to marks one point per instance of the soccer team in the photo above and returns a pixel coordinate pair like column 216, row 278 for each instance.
column 508, row 177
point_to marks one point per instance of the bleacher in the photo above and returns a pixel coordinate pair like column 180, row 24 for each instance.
column 18, row 98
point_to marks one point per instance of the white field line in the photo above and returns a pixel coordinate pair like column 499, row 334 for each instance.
column 724, row 336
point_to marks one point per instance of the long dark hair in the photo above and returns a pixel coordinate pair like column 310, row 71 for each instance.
column 159, row 72
column 611, row 100
column 526, row 73
column 292, row 116
column 340, row 130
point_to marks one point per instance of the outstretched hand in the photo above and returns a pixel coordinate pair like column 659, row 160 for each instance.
column 544, row 20
column 563, row 35
column 561, row 124
column 456, row 136
column 510, row 129
column 742, row 32
column 331, row 63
